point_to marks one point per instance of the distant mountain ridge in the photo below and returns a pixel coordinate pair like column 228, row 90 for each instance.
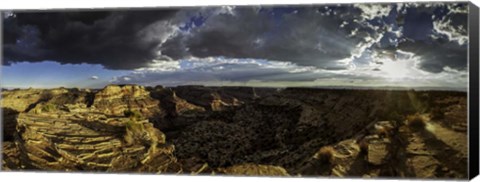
column 463, row 89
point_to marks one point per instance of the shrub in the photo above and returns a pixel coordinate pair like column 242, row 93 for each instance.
column 363, row 146
column 133, row 115
column 325, row 154
column 416, row 121
column 48, row 107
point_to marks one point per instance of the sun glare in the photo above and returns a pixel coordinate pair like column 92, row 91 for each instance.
column 396, row 69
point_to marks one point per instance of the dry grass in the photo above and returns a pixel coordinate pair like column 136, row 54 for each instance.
column 416, row 121
column 325, row 154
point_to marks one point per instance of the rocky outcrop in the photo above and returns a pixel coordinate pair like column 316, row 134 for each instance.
column 17, row 101
column 216, row 98
column 377, row 150
column 92, row 143
column 115, row 100
column 22, row 100
column 174, row 105
column 235, row 131
column 11, row 157
column 25, row 100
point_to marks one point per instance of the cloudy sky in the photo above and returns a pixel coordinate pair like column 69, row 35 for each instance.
column 407, row 44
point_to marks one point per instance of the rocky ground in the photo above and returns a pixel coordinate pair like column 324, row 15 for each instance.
column 237, row 131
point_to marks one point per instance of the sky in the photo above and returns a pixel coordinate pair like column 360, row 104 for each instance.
column 367, row 45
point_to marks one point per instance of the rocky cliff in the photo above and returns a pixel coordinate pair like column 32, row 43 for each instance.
column 115, row 100
column 236, row 131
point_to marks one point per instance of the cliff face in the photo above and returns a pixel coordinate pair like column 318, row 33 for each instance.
column 236, row 130
column 91, row 143
column 114, row 100
column 215, row 98
column 73, row 130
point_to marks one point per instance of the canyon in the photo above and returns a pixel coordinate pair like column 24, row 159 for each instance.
column 200, row 130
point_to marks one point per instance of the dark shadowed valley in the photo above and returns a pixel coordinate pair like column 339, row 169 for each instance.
column 237, row 131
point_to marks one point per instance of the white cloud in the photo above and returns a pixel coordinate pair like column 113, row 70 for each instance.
column 94, row 77
column 219, row 71
column 161, row 65
column 371, row 11
column 159, row 31
column 447, row 27
column 120, row 79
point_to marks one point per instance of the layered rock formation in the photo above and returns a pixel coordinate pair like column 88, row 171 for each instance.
column 236, row 131
column 115, row 100
column 82, row 142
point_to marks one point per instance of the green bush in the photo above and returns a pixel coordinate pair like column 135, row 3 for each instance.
column 416, row 121
column 133, row 115
column 48, row 107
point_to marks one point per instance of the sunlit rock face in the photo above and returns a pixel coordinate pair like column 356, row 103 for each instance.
column 215, row 98
column 90, row 143
column 114, row 100
column 38, row 101
column 174, row 105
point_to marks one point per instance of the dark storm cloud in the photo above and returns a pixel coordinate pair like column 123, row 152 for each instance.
column 115, row 39
column 305, row 36
column 441, row 37
column 436, row 56
column 328, row 37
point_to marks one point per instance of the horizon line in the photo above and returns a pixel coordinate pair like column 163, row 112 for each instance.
column 419, row 88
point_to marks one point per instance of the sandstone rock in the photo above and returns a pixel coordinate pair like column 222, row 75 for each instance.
column 184, row 107
column 254, row 170
column 82, row 143
column 11, row 157
column 213, row 98
column 423, row 166
column 227, row 130
column 114, row 100
column 174, row 105
column 378, row 151
column 21, row 100
column 342, row 156
column 24, row 100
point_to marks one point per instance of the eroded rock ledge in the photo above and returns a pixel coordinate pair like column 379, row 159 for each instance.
column 235, row 130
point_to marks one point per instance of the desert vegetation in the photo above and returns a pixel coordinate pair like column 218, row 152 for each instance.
column 417, row 121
